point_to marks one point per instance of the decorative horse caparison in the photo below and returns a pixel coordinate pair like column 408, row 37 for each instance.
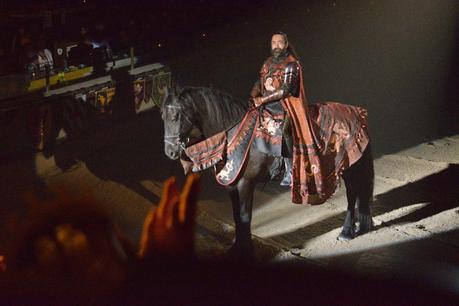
column 212, row 111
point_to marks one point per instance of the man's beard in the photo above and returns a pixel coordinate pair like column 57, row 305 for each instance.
column 279, row 54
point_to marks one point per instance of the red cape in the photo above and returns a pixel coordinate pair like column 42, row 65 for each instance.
column 328, row 138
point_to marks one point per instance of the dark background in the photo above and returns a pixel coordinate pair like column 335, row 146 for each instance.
column 396, row 58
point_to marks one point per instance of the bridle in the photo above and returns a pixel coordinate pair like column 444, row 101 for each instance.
column 177, row 139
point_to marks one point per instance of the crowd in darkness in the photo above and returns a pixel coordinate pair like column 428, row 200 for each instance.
column 107, row 29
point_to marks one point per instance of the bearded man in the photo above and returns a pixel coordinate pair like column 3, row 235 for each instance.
column 279, row 79
column 320, row 140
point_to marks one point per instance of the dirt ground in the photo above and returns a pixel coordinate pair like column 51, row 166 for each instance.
column 415, row 208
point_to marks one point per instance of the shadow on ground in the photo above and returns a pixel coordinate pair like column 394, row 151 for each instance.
column 440, row 191
column 127, row 152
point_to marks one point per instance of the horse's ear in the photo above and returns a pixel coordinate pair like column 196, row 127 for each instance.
column 164, row 93
column 177, row 89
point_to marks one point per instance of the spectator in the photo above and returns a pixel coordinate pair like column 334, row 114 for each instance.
column 45, row 58
column 73, row 237
column 91, row 50
column 100, row 42
column 20, row 40
column 39, row 60
column 82, row 53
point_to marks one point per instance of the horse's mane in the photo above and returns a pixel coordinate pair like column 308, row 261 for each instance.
column 222, row 108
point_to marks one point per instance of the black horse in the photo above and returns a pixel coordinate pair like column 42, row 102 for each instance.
column 212, row 111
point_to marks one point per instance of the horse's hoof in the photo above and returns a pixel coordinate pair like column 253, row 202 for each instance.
column 365, row 224
column 346, row 234
column 241, row 253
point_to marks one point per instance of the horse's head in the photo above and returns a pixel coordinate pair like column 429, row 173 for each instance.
column 177, row 123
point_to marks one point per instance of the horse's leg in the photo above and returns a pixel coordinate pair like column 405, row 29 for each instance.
column 365, row 195
column 241, row 195
column 242, row 198
column 348, row 231
column 359, row 181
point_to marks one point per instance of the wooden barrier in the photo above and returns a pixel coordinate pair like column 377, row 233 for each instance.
column 44, row 117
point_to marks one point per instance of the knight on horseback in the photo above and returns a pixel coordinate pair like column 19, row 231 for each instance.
column 323, row 142
column 279, row 78
column 320, row 141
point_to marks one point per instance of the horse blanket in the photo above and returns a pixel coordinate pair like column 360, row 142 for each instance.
column 338, row 138
column 228, row 150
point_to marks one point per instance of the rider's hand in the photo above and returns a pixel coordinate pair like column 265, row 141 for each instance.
column 257, row 101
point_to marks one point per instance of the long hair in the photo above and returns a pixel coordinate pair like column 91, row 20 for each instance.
column 290, row 47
